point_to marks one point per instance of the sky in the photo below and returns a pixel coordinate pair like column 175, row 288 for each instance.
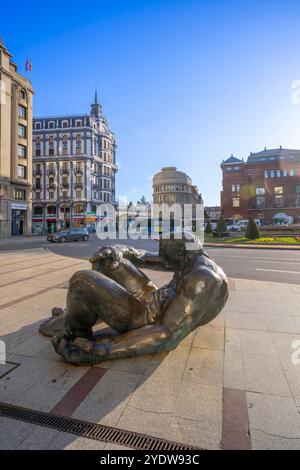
column 182, row 83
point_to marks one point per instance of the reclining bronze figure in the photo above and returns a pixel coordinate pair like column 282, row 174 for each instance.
column 147, row 319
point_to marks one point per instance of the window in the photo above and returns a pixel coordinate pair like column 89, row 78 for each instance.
column 266, row 173
column 22, row 151
column 284, row 173
column 21, row 171
column 235, row 188
column 235, row 202
column 78, row 123
column 272, row 173
column 51, row 125
column 51, row 151
column 20, row 194
column 38, row 125
column 22, row 94
column 78, row 139
column 51, row 140
column 64, row 151
column 37, row 183
column 78, row 194
column 78, row 209
column 279, row 198
column 260, row 191
column 260, row 197
column 22, row 112
column 65, row 139
column 38, row 152
column 51, row 196
column 38, row 210
column 292, row 172
column 65, row 124
column 278, row 173
column 21, row 131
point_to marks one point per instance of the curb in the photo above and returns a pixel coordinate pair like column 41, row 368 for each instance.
column 252, row 247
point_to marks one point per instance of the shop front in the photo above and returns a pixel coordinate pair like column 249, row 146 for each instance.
column 18, row 219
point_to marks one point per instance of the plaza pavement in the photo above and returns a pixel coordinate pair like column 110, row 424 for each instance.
column 230, row 384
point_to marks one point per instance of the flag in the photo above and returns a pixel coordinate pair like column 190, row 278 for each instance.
column 28, row 66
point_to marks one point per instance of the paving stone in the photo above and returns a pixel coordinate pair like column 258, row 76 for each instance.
column 262, row 441
column 273, row 415
column 257, row 342
column 209, row 337
column 263, row 374
column 205, row 366
column 234, row 371
column 107, row 400
column 146, row 422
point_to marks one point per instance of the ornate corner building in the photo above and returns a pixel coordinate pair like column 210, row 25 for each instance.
column 74, row 168
column 15, row 148
column 266, row 186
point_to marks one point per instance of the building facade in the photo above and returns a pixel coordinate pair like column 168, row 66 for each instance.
column 74, row 168
column 171, row 186
column 266, row 186
column 15, row 148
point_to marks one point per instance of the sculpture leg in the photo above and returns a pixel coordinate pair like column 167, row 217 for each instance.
column 93, row 298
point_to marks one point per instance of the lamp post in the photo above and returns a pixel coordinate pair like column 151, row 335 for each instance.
column 66, row 200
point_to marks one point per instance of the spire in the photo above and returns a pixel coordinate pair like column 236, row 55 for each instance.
column 96, row 107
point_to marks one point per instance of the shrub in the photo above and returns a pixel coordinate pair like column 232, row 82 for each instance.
column 208, row 228
column 252, row 232
column 221, row 226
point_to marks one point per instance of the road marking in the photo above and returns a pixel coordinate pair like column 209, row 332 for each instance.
column 277, row 271
column 267, row 261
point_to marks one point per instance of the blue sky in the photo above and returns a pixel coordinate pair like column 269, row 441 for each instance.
column 183, row 83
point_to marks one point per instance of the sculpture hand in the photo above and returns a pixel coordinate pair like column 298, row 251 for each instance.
column 81, row 350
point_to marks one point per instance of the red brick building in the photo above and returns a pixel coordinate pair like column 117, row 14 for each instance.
column 266, row 186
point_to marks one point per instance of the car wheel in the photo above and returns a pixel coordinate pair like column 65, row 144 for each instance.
column 85, row 238
column 63, row 240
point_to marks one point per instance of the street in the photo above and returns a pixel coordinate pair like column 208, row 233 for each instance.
column 273, row 265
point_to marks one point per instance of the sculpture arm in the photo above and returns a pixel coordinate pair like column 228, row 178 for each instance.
column 146, row 340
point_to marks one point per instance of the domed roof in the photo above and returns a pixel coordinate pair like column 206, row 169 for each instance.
column 170, row 174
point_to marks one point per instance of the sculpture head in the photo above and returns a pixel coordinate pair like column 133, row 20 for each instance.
column 175, row 252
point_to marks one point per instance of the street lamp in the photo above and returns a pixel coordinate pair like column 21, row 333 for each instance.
column 66, row 200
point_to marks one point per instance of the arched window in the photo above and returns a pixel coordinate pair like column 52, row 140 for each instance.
column 65, row 139
column 37, row 142
column 51, row 210
column 78, row 139
column 51, row 140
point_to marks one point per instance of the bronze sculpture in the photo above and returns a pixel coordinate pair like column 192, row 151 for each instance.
column 147, row 319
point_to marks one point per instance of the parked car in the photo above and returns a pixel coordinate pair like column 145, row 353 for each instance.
column 72, row 234
column 242, row 225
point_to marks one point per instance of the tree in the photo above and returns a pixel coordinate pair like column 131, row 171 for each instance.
column 208, row 228
column 252, row 231
column 221, row 226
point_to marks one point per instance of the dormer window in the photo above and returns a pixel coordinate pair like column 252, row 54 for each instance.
column 78, row 123
column 38, row 125
column 51, row 125
column 65, row 124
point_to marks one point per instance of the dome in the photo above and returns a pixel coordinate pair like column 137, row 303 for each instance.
column 170, row 174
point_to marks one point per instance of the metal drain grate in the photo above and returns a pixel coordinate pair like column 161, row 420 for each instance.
column 90, row 430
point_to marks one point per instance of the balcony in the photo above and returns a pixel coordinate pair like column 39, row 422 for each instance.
column 36, row 188
column 64, row 186
column 78, row 171
column 51, row 187
column 36, row 172
column 78, row 186
column 51, row 171
column 65, row 171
